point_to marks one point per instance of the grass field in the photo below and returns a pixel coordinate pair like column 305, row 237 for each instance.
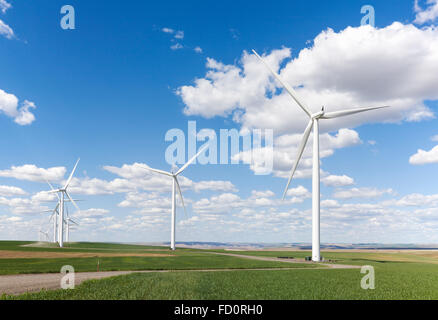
column 181, row 259
column 399, row 275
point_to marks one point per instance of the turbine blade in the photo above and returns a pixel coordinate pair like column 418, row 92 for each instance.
column 53, row 189
column 72, row 201
column 288, row 88
column 191, row 160
column 155, row 170
column 71, row 175
column 337, row 114
column 299, row 154
column 180, row 194
column 72, row 221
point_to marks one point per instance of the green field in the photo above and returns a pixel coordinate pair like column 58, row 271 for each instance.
column 404, row 275
column 181, row 259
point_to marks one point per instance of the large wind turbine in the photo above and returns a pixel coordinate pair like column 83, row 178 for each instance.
column 313, row 122
column 63, row 193
column 175, row 185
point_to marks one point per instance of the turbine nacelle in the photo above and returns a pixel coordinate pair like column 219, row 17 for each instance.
column 318, row 115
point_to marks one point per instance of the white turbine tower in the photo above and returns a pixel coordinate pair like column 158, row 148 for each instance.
column 175, row 185
column 64, row 193
column 313, row 122
column 54, row 216
column 69, row 222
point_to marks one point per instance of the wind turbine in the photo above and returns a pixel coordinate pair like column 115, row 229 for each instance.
column 313, row 122
column 64, row 193
column 54, row 216
column 43, row 235
column 175, row 185
column 69, row 222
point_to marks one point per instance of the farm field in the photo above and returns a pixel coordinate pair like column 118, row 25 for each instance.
column 86, row 257
column 410, row 274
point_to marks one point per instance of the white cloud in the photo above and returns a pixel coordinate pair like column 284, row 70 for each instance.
column 198, row 49
column 429, row 14
column 329, row 203
column 9, row 106
column 8, row 191
column 262, row 194
column 424, row 157
column 168, row 30
column 4, row 6
column 434, row 138
column 361, row 193
column 22, row 205
column 404, row 64
column 31, row 172
column 176, row 46
column 286, row 147
column 179, row 35
column 299, row 191
column 337, row 181
column 6, row 30
column 44, row 196
column 414, row 200
column 96, row 213
column 214, row 185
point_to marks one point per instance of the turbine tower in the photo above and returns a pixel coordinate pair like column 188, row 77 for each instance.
column 175, row 186
column 69, row 222
column 313, row 123
column 63, row 193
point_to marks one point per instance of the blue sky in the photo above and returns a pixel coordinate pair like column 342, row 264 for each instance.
column 109, row 91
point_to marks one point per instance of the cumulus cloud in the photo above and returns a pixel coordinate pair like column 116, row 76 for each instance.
column 4, row 6
column 92, row 213
column 5, row 30
column 335, row 72
column 286, row 148
column 337, row 181
column 30, row 172
column 299, row 191
column 134, row 178
column 9, row 106
column 8, row 191
column 22, row 205
column 179, row 35
column 360, row 193
column 428, row 14
column 176, row 46
column 198, row 49
column 424, row 157
column 167, row 30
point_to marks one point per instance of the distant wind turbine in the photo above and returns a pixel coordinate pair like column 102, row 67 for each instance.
column 313, row 122
column 63, row 193
column 175, row 185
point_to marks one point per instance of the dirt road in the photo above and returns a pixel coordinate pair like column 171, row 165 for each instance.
column 329, row 265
